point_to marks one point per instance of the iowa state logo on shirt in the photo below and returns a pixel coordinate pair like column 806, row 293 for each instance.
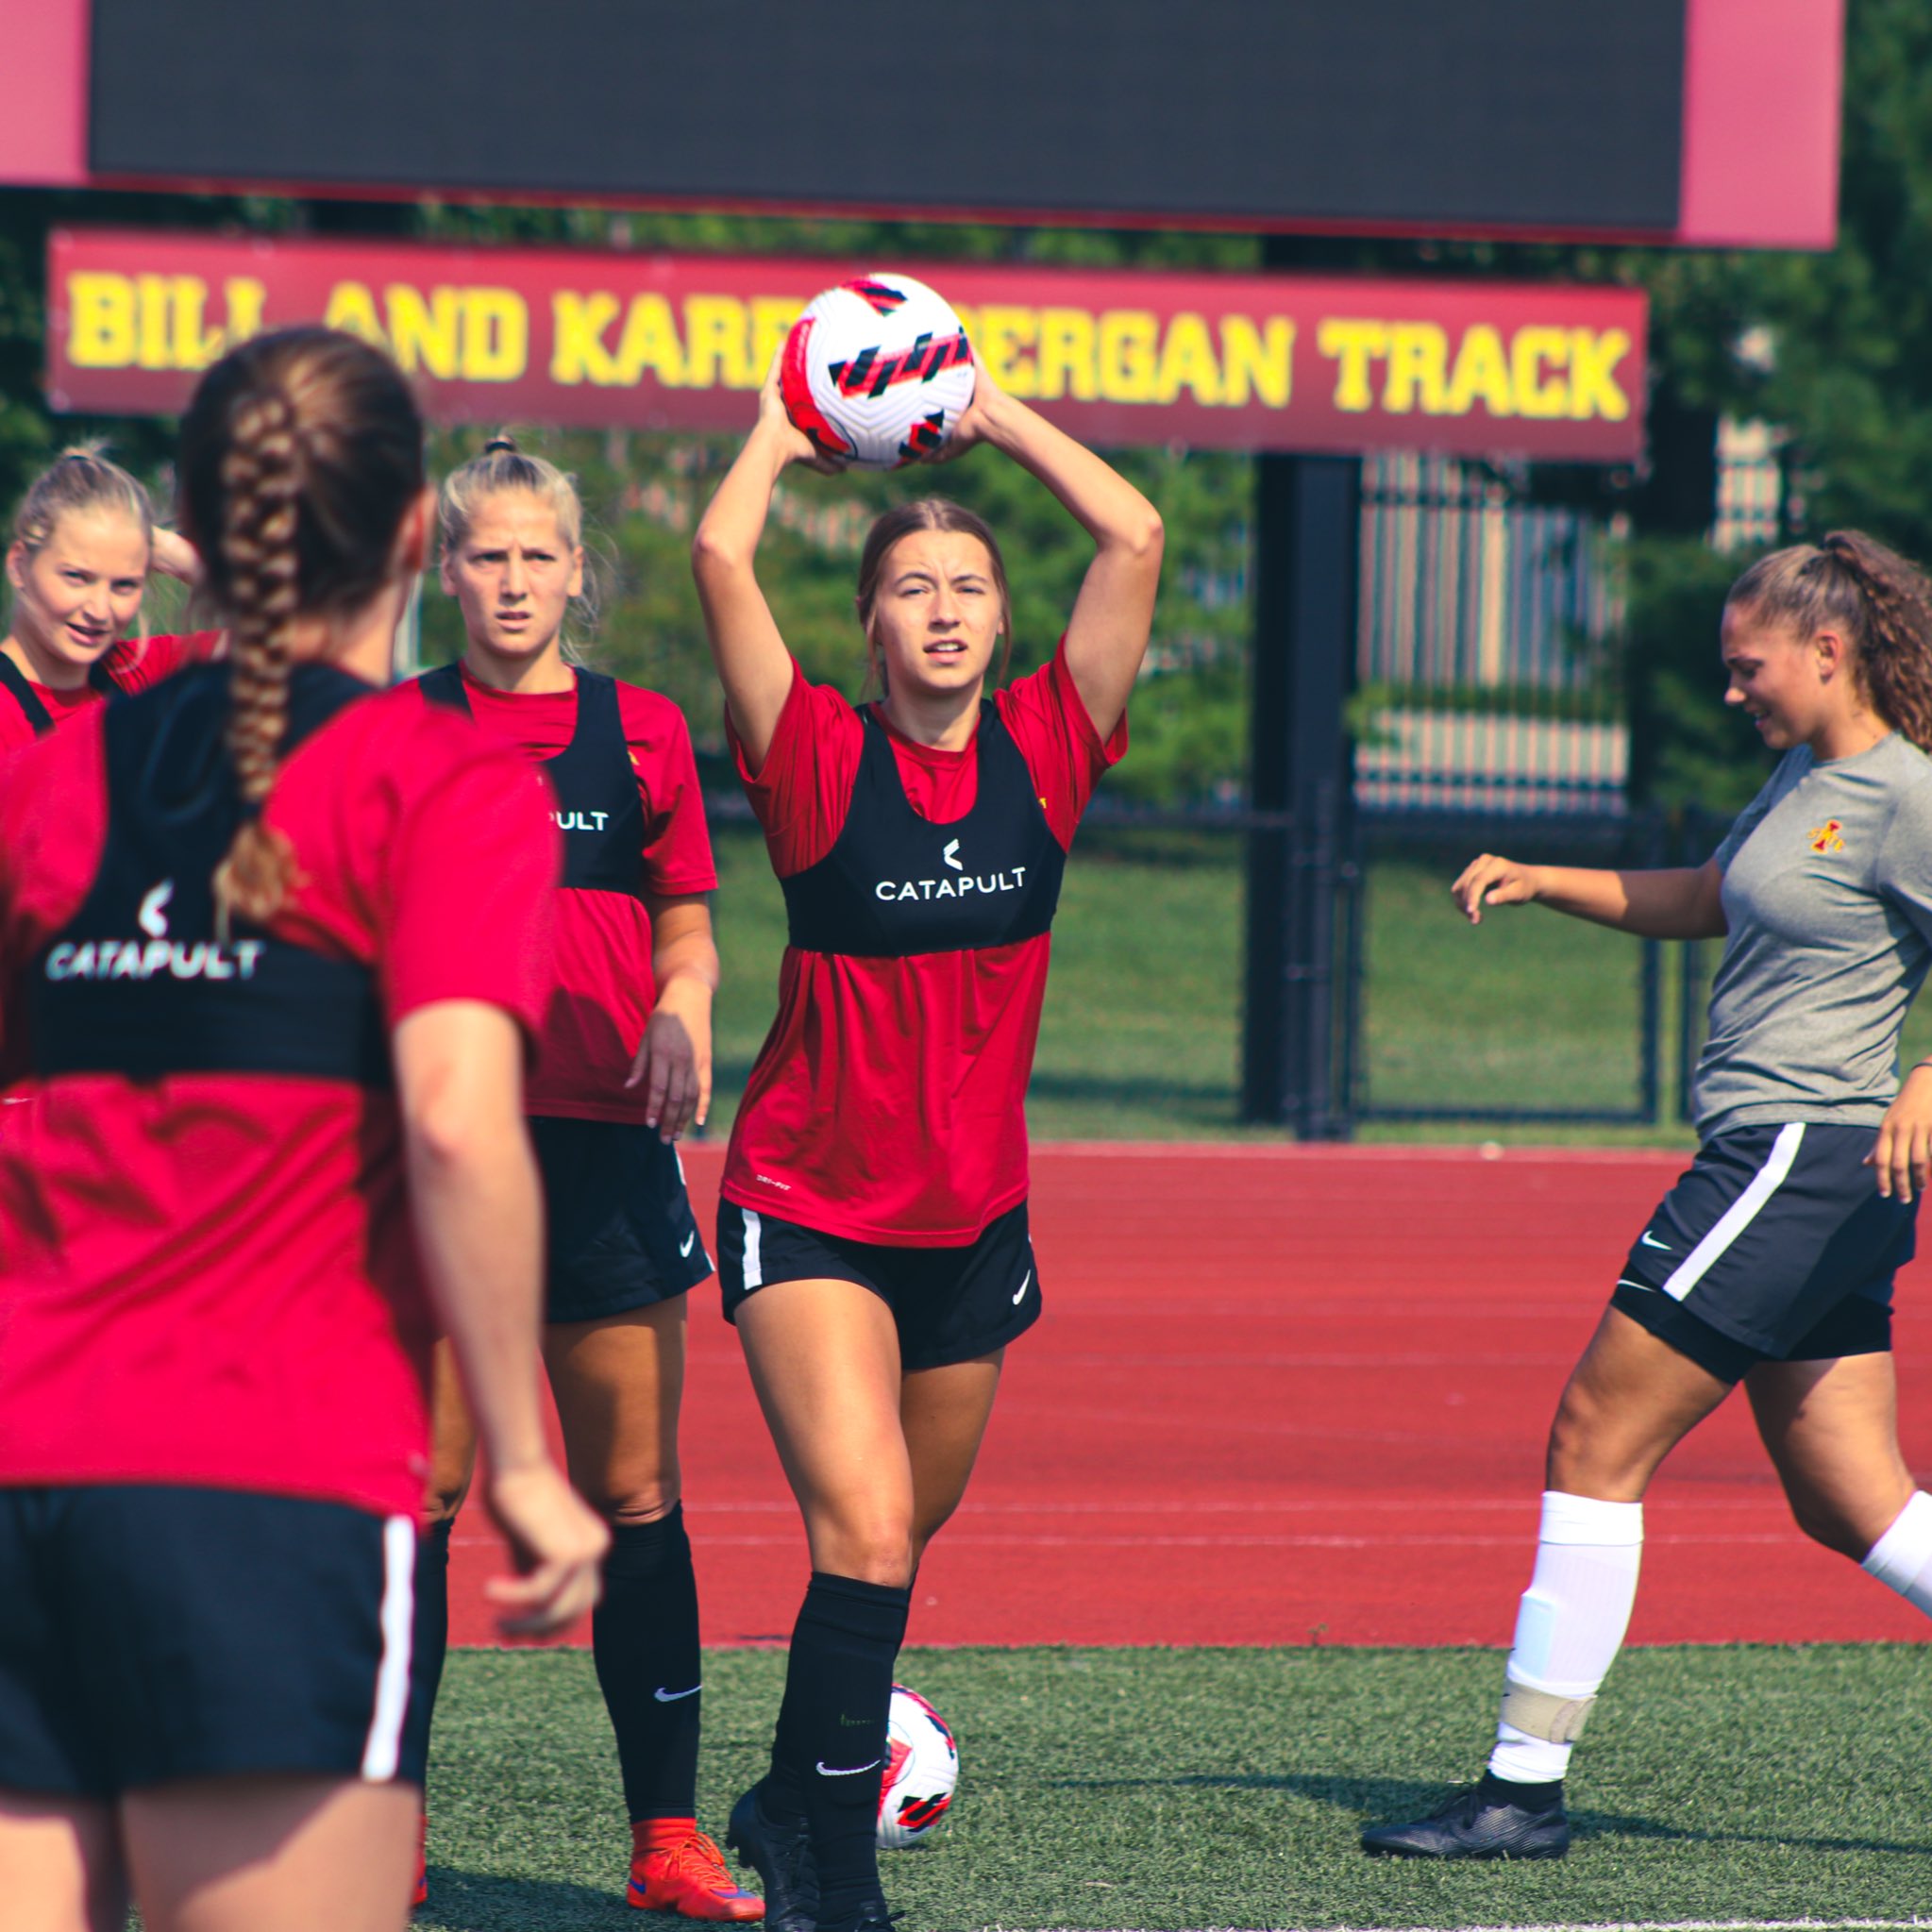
column 1828, row 837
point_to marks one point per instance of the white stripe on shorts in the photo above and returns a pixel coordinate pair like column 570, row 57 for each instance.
column 1740, row 1212
column 384, row 1744
column 754, row 1260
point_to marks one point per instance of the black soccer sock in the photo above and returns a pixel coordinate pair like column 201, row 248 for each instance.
column 828, row 1757
column 644, row 1641
column 1537, row 1797
column 429, row 1631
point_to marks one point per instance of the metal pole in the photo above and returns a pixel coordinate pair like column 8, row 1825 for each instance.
column 1308, row 543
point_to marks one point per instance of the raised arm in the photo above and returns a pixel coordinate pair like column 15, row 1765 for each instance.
column 172, row 555
column 1106, row 636
column 753, row 664
column 1682, row 902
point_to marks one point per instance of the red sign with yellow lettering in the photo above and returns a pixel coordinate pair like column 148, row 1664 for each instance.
column 681, row 342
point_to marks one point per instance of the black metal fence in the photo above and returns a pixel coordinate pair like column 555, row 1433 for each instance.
column 1525, row 1019
column 1529, row 1019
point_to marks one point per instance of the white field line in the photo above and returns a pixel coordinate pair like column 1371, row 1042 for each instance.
column 962, row 1540
column 1184, row 1507
column 1620, row 1925
column 1382, row 1153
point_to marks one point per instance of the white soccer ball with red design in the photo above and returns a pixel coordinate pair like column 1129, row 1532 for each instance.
column 921, row 1770
column 877, row 371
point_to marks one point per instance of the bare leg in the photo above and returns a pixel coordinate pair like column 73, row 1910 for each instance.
column 452, row 1440
column 619, row 1383
column 272, row 1855
column 60, row 1865
column 1832, row 1431
column 944, row 1413
column 824, row 1360
column 1630, row 1400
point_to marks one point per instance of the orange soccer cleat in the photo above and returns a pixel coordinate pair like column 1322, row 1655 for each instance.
column 689, row 1876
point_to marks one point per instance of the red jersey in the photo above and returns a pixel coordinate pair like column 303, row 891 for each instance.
column 133, row 664
column 888, row 1102
column 211, row 1278
column 603, row 988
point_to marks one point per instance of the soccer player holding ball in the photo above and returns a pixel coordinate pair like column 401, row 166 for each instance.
column 873, row 1246
column 275, row 960
column 1771, row 1262
column 84, row 542
column 622, row 1069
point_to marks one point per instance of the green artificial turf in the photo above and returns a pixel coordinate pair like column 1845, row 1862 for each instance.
column 1163, row 1788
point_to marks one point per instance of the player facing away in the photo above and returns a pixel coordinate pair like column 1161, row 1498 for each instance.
column 274, row 958
column 873, row 1245
column 1770, row 1261
column 622, row 1069
column 84, row 542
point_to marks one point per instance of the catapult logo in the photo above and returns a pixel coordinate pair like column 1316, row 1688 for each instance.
column 156, row 955
column 889, row 891
column 581, row 821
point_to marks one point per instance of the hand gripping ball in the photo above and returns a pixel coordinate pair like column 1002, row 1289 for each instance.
column 921, row 1770
column 877, row 371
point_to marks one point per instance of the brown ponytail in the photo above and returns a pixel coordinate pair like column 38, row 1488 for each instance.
column 262, row 475
column 301, row 453
column 1881, row 603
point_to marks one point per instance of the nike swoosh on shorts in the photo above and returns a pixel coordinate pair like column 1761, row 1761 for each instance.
column 664, row 1696
column 688, row 1243
column 847, row 1770
column 1645, row 1239
column 1022, row 1287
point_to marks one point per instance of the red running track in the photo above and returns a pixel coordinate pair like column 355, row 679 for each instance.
column 1281, row 1394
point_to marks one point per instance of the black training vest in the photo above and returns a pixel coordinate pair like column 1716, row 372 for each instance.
column 22, row 691
column 598, row 806
column 136, row 983
column 895, row 885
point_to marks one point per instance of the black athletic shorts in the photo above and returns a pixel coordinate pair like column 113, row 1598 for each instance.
column 151, row 1633
column 618, row 1230
column 950, row 1304
column 1775, row 1246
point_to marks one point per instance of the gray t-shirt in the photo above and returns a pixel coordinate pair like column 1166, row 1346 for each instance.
column 1828, row 895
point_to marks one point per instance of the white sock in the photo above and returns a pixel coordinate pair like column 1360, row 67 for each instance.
column 1901, row 1559
column 1573, row 1619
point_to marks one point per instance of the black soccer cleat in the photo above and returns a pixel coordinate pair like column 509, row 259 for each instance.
column 1474, row 1825
column 873, row 1916
column 781, row 1854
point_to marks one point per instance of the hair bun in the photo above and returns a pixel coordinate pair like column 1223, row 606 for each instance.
column 501, row 445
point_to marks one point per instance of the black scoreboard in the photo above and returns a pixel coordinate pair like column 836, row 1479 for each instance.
column 1484, row 115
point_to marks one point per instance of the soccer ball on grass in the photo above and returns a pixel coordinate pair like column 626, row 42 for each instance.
column 921, row 1770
